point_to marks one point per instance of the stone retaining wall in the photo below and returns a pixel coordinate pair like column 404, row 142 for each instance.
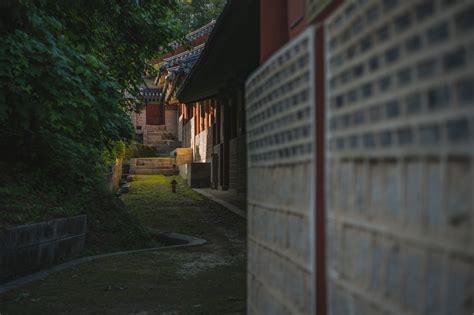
column 27, row 248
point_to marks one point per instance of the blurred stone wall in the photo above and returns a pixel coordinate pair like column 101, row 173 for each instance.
column 280, row 144
column 400, row 181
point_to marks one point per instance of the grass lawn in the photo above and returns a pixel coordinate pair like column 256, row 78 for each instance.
column 209, row 279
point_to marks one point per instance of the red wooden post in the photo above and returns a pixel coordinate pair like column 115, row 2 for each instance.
column 273, row 26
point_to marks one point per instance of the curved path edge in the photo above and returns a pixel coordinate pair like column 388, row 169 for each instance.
column 17, row 283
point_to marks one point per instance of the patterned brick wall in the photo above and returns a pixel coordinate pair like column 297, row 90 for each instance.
column 238, row 164
column 280, row 144
column 400, row 131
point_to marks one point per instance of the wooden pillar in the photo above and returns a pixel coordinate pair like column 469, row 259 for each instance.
column 195, row 115
column 208, row 120
column 202, row 108
column 226, row 142
column 218, row 124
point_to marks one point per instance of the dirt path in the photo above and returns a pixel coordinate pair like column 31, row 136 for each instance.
column 209, row 279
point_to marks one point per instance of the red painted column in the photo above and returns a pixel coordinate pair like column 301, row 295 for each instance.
column 321, row 290
column 320, row 215
column 296, row 21
column 273, row 26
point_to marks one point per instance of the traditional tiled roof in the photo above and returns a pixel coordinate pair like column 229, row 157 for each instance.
column 230, row 54
column 172, row 70
column 151, row 94
column 180, row 60
column 194, row 35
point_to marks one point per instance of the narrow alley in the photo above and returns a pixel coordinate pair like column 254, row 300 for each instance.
column 261, row 157
column 208, row 279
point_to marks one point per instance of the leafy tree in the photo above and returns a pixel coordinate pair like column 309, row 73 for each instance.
column 197, row 13
column 66, row 67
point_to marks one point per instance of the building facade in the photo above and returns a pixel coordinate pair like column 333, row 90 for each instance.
column 356, row 119
column 399, row 163
column 156, row 123
column 213, row 97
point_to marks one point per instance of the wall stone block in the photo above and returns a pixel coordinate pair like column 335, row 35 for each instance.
column 280, row 151
column 399, row 130
column 28, row 248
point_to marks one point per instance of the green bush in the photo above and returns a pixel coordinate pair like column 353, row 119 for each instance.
column 138, row 150
column 65, row 68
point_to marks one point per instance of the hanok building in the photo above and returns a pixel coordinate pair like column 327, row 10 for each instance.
column 157, row 122
column 212, row 115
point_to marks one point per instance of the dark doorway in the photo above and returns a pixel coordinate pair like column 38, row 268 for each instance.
column 154, row 114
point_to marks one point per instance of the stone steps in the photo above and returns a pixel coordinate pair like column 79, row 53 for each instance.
column 158, row 135
column 155, row 171
column 156, row 127
column 155, row 164
column 158, row 166
column 164, row 149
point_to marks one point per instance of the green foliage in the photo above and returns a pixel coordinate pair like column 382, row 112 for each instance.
column 117, row 151
column 69, row 73
column 120, row 34
column 137, row 150
column 65, row 68
column 29, row 197
column 112, row 227
column 197, row 13
column 33, row 198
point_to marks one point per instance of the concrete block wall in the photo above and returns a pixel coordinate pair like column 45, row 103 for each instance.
column 238, row 164
column 280, row 144
column 400, row 159
column 27, row 248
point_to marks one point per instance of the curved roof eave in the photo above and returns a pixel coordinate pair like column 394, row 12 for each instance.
column 236, row 26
